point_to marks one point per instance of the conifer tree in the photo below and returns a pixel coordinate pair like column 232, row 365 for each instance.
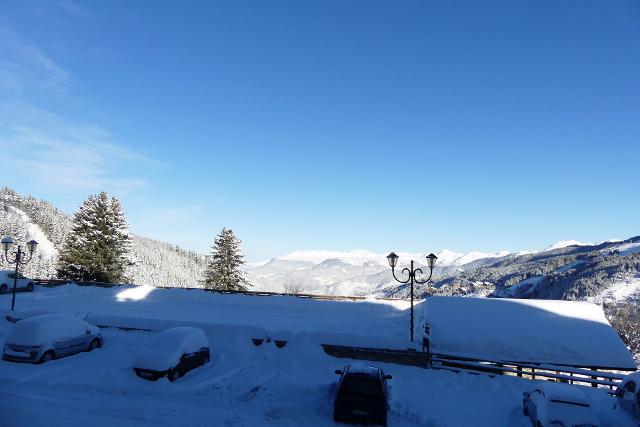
column 97, row 247
column 223, row 271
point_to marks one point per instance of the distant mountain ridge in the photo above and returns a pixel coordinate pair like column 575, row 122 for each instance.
column 566, row 270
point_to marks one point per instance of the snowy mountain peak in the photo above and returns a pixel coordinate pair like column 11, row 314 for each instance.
column 565, row 243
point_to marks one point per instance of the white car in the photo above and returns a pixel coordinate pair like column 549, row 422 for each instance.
column 628, row 394
column 6, row 282
column 173, row 353
column 558, row 405
column 42, row 338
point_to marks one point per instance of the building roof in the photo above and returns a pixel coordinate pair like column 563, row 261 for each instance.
column 571, row 333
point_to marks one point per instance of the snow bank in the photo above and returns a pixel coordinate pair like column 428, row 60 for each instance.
column 139, row 307
column 530, row 331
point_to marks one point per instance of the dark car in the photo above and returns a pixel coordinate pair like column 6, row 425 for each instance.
column 362, row 396
column 172, row 353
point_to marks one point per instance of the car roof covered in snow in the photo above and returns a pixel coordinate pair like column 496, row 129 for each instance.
column 361, row 368
column 571, row 333
column 559, row 391
column 184, row 338
column 166, row 348
column 45, row 327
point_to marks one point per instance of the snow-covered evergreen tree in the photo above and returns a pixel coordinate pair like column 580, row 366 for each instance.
column 223, row 271
column 98, row 245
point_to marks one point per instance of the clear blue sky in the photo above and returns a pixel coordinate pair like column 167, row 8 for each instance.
column 409, row 126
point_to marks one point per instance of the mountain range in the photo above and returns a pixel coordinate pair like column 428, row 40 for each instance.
column 607, row 271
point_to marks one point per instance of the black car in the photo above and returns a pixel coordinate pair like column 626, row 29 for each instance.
column 362, row 396
column 172, row 353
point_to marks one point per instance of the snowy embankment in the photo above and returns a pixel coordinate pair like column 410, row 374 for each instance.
column 369, row 322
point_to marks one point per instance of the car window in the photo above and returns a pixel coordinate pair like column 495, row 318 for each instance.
column 361, row 385
column 630, row 386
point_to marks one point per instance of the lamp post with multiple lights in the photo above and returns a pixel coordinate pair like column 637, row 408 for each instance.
column 393, row 262
column 18, row 260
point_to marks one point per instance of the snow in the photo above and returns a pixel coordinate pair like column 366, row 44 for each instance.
column 621, row 291
column 246, row 385
column 45, row 329
column 527, row 285
column 362, row 257
column 566, row 243
column 557, row 407
column 165, row 349
column 573, row 333
column 381, row 321
column 629, row 248
column 361, row 368
column 45, row 246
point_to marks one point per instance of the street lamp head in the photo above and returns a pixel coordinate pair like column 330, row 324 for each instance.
column 431, row 260
column 393, row 259
column 32, row 245
column 7, row 242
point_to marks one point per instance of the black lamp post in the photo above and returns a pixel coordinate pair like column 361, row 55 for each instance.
column 18, row 260
column 393, row 261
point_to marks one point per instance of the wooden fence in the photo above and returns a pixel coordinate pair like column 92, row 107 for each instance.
column 593, row 376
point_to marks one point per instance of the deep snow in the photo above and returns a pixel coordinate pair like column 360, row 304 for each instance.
column 244, row 385
column 520, row 330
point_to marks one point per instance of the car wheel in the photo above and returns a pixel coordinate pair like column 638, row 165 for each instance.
column 95, row 343
column 3, row 289
column 30, row 287
column 174, row 374
column 47, row 357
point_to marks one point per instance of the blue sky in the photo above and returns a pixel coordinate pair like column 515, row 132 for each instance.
column 409, row 126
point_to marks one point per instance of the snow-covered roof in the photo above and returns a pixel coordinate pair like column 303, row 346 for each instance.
column 572, row 333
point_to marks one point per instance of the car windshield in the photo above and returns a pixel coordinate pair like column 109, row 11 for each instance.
column 361, row 385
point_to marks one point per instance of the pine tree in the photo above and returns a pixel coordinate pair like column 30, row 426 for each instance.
column 97, row 247
column 223, row 271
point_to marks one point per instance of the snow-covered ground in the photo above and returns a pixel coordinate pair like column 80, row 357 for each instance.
column 375, row 321
column 246, row 385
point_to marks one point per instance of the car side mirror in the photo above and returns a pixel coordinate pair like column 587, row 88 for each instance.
column 338, row 371
column 388, row 377
column 619, row 392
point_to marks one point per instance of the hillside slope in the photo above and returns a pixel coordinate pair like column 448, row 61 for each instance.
column 156, row 263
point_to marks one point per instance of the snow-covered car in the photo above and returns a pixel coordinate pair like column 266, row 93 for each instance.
column 628, row 394
column 173, row 353
column 42, row 338
column 558, row 405
column 6, row 282
column 363, row 394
